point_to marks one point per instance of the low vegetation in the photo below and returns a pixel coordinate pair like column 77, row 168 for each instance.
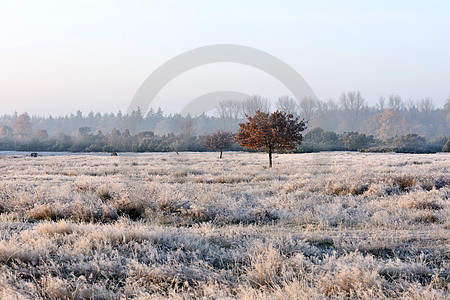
column 192, row 226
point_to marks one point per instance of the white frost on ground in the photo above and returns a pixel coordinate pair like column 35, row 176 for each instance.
column 324, row 225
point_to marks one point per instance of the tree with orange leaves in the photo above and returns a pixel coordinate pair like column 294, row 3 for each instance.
column 271, row 132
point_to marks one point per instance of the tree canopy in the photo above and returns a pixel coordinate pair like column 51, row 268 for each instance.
column 271, row 132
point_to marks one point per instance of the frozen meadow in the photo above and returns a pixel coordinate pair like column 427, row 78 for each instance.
column 192, row 226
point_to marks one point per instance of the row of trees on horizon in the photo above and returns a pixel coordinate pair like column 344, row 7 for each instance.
column 391, row 117
column 278, row 124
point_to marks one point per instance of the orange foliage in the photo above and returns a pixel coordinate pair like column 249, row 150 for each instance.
column 271, row 131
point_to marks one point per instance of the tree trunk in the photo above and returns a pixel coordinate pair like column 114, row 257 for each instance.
column 270, row 158
column 221, row 152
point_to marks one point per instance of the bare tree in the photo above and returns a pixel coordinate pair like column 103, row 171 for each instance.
column 229, row 112
column 411, row 106
column 352, row 104
column 447, row 104
column 426, row 105
column 256, row 103
column 308, row 106
column 331, row 105
column 229, row 109
column 287, row 104
column 395, row 102
column 381, row 105
column 323, row 114
column 352, row 101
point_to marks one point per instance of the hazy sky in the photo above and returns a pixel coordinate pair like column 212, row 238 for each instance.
column 60, row 56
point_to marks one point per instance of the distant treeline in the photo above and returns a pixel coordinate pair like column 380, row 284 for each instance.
column 390, row 117
column 347, row 124
column 318, row 139
column 314, row 140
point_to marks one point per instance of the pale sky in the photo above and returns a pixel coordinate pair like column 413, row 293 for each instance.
column 60, row 56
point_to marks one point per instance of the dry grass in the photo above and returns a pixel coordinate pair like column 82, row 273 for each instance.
column 191, row 226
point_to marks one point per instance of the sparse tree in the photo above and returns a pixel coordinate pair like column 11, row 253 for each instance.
column 229, row 112
column 220, row 140
column 381, row 103
column 229, row 109
column 352, row 104
column 426, row 105
column 411, row 106
column 447, row 104
column 256, row 103
column 352, row 101
column 395, row 102
column 287, row 104
column 271, row 132
column 308, row 106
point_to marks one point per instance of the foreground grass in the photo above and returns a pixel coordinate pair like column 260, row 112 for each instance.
column 316, row 226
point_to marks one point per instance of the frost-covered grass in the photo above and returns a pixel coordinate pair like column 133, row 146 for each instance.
column 189, row 226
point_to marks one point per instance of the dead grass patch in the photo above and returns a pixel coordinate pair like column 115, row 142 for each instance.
column 133, row 209
column 426, row 217
column 345, row 190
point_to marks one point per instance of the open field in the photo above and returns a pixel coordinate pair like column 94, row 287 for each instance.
column 316, row 226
